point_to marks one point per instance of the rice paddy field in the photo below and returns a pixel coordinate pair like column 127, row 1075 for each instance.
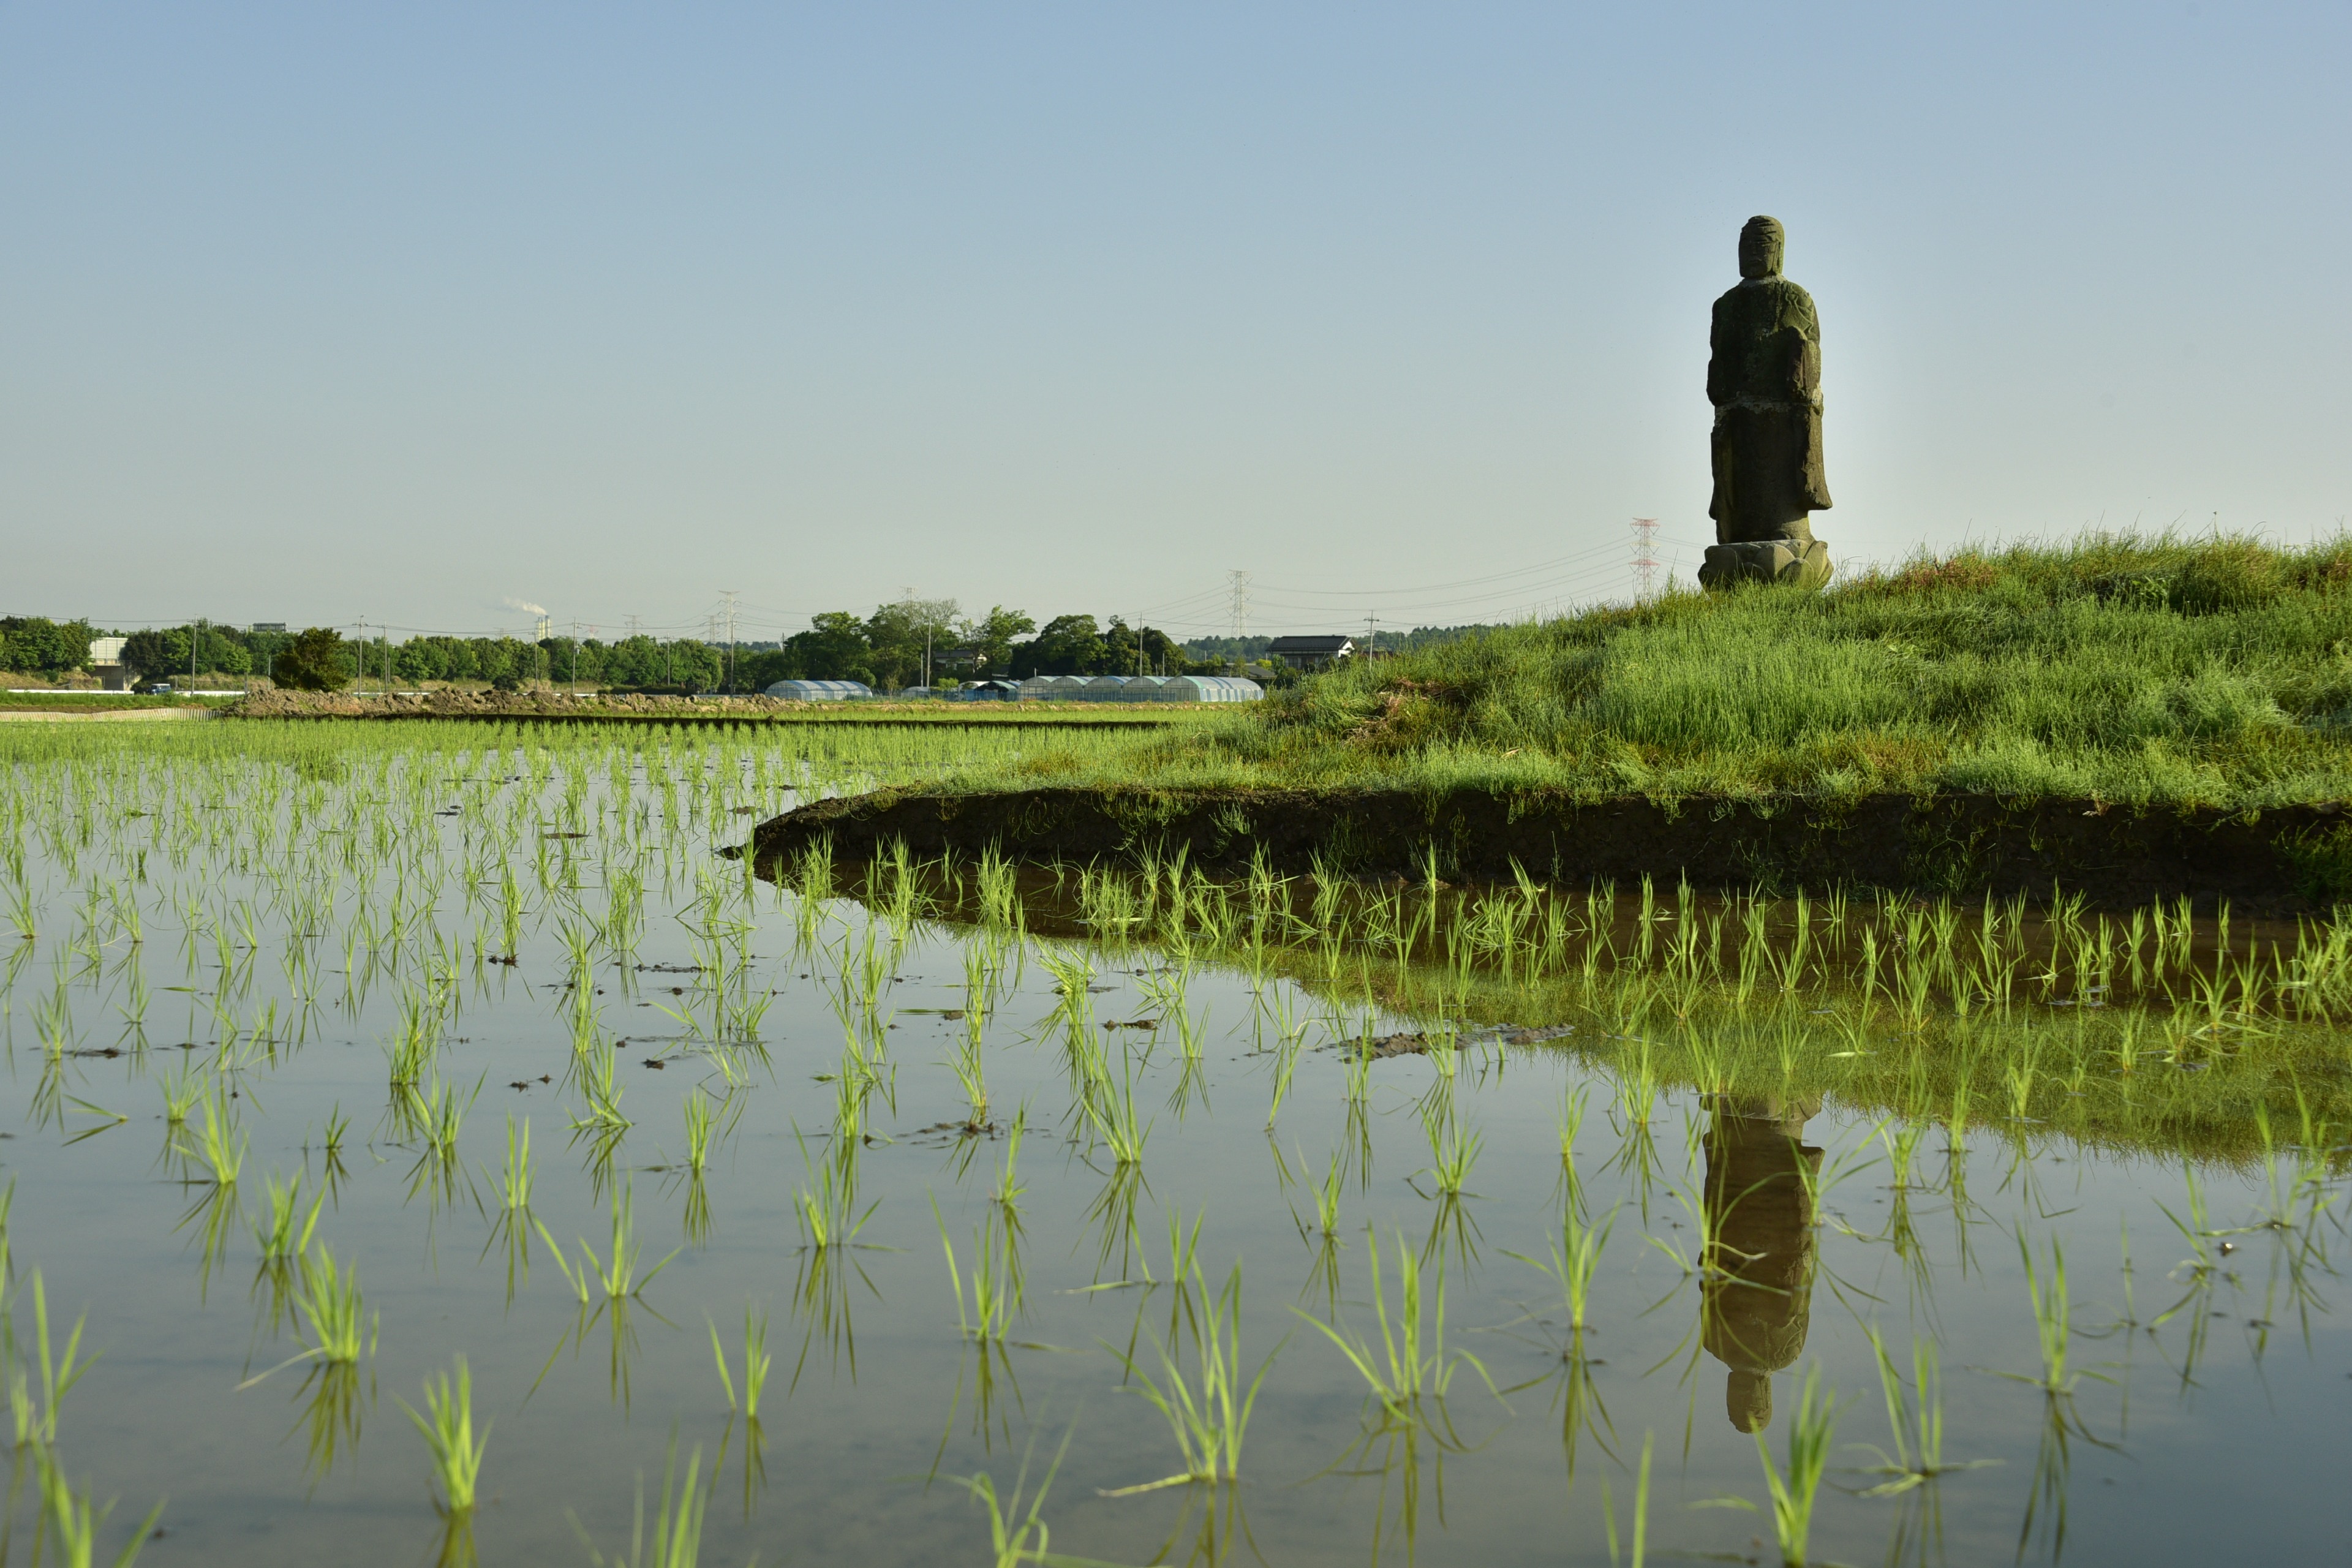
column 428, row 1143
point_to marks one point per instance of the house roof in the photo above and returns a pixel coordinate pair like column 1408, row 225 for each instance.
column 1312, row 644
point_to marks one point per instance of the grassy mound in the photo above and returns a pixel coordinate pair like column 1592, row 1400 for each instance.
column 2214, row 672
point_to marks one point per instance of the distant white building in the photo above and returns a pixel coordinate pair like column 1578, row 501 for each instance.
column 106, row 663
column 1140, row 688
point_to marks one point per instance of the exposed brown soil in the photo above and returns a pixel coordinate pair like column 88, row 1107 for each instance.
column 2277, row 861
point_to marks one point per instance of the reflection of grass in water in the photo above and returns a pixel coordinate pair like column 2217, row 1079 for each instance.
column 2151, row 1030
column 332, row 1402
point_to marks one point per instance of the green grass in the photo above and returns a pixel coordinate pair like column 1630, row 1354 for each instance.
column 2212, row 671
column 98, row 702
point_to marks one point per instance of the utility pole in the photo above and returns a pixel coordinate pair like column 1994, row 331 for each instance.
column 1645, row 553
column 1371, row 638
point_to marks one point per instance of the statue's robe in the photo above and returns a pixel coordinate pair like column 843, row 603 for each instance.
column 1756, row 1300
column 1764, row 379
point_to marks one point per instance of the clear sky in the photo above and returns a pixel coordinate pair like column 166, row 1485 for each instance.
column 416, row 312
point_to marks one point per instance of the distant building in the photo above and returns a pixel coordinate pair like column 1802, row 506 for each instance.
column 106, row 663
column 1312, row 653
column 822, row 690
column 1139, row 689
column 269, row 625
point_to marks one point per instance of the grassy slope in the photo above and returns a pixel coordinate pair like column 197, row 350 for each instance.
column 2209, row 672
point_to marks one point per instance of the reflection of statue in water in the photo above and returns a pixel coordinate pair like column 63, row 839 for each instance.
column 1765, row 381
column 1759, row 1279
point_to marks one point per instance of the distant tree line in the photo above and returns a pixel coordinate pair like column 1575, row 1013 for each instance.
column 35, row 645
column 899, row 644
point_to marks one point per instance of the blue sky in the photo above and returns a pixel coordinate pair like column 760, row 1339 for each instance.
column 415, row 314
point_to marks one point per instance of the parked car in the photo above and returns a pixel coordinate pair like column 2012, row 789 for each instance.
column 157, row 689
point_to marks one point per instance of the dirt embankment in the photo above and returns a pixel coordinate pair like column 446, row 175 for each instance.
column 450, row 704
column 2277, row 861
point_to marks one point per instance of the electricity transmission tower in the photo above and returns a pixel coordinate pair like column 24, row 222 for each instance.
column 1645, row 553
column 730, row 597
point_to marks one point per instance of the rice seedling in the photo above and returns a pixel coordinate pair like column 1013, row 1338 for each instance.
column 184, row 1091
column 36, row 1392
column 1795, row 1488
column 707, row 1120
column 220, row 1148
column 1453, row 1148
column 828, row 1206
column 995, row 1297
column 1575, row 1259
column 1641, row 1521
column 1210, row 1413
column 71, row 1519
column 616, row 1273
column 755, row 1363
column 1016, row 1536
column 1326, row 1195
column 2053, row 1321
column 970, row 1075
column 597, row 1075
column 448, row 1433
column 516, row 1176
column 1111, row 1108
column 678, row 1525
column 1915, row 1421
column 286, row 1233
column 1409, row 1370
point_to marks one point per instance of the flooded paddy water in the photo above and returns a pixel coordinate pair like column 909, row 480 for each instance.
column 953, row 1211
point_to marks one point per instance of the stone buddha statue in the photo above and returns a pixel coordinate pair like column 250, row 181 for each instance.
column 1765, row 381
column 1757, row 1301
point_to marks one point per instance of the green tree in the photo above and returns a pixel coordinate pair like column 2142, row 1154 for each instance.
column 832, row 649
column 990, row 639
column 1069, row 644
column 902, row 637
column 40, row 646
column 314, row 661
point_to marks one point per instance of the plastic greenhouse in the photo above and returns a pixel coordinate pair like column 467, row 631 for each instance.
column 822, row 690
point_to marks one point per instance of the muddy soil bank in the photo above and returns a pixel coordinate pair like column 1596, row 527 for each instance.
column 2279, row 861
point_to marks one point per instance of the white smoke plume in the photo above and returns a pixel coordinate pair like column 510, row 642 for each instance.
column 525, row 606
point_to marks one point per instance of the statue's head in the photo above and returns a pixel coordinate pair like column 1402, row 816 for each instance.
column 1760, row 239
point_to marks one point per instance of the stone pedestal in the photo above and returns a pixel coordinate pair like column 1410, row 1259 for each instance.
column 1798, row 562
